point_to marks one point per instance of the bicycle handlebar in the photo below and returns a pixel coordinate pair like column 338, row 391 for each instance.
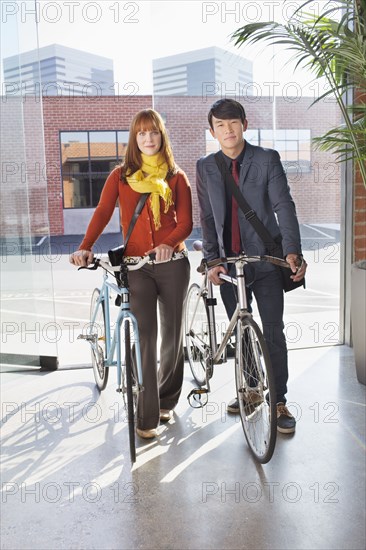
column 98, row 262
column 242, row 257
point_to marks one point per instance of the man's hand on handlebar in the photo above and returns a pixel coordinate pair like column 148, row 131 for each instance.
column 81, row 258
column 213, row 274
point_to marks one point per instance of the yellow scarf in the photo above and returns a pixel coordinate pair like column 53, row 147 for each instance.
column 154, row 183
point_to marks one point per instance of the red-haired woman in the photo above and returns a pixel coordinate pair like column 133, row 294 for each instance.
column 162, row 226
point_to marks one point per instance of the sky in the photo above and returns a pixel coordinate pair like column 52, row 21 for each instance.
column 132, row 33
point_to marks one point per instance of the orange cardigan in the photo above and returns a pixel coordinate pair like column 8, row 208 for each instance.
column 176, row 224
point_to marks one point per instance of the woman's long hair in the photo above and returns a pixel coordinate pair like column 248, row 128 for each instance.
column 147, row 120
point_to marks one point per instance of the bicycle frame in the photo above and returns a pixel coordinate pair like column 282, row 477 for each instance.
column 113, row 342
column 216, row 352
column 241, row 308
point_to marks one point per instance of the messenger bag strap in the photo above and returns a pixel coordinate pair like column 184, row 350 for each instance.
column 249, row 213
column 136, row 214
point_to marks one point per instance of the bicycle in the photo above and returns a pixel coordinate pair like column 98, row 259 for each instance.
column 253, row 370
column 105, row 344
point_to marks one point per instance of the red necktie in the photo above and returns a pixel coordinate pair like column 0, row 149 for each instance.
column 235, row 231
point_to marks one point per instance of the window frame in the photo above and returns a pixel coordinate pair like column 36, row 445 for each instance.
column 268, row 137
column 90, row 174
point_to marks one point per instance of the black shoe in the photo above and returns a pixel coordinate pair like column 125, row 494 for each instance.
column 233, row 406
column 286, row 423
column 230, row 349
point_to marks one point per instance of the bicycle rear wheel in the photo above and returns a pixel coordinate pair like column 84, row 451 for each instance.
column 255, row 390
column 97, row 328
column 196, row 333
column 131, row 391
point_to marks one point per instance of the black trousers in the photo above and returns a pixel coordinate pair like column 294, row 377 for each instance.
column 159, row 287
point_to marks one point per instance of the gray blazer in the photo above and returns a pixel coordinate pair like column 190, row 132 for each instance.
column 264, row 185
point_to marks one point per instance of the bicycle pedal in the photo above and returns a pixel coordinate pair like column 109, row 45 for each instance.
column 119, row 390
column 87, row 337
column 198, row 391
column 197, row 398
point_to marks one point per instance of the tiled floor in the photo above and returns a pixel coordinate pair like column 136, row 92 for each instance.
column 67, row 480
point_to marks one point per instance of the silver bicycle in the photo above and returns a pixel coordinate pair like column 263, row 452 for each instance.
column 254, row 377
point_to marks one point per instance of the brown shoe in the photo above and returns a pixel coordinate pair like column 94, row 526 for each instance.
column 147, row 434
column 251, row 398
column 166, row 415
column 286, row 423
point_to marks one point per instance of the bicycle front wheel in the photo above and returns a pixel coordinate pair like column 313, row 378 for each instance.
column 97, row 328
column 131, row 390
column 255, row 390
column 196, row 333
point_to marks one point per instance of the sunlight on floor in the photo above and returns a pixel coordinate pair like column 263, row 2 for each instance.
column 206, row 448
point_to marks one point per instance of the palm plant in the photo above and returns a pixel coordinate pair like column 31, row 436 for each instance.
column 331, row 45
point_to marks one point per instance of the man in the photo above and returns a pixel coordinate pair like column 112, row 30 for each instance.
column 225, row 231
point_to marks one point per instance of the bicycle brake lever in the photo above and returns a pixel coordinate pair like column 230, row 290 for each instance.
column 202, row 267
column 213, row 263
column 94, row 266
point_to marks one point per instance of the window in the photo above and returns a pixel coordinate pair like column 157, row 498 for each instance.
column 86, row 159
column 293, row 146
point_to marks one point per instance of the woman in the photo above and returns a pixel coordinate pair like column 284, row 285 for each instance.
column 162, row 226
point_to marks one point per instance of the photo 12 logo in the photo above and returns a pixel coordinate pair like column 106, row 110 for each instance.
column 256, row 10
column 69, row 491
column 70, row 11
column 270, row 491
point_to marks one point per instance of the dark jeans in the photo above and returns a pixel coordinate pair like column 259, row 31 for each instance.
column 267, row 289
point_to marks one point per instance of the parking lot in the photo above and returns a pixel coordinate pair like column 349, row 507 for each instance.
column 35, row 320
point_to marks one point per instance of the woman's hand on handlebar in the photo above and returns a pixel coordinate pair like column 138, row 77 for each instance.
column 163, row 252
column 81, row 258
column 213, row 274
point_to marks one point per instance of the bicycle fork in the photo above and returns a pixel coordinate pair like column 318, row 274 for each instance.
column 126, row 316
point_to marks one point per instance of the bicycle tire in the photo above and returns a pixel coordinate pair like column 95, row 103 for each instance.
column 131, row 406
column 196, row 330
column 99, row 354
column 255, row 390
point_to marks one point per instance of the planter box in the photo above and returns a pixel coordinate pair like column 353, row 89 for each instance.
column 358, row 318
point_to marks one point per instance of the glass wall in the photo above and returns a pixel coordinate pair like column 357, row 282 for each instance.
column 278, row 101
column 29, row 331
column 184, row 60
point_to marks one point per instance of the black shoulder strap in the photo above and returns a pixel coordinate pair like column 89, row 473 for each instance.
column 136, row 214
column 249, row 213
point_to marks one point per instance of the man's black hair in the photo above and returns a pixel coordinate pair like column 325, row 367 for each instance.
column 225, row 109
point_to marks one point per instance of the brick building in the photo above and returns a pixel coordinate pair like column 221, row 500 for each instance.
column 314, row 177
